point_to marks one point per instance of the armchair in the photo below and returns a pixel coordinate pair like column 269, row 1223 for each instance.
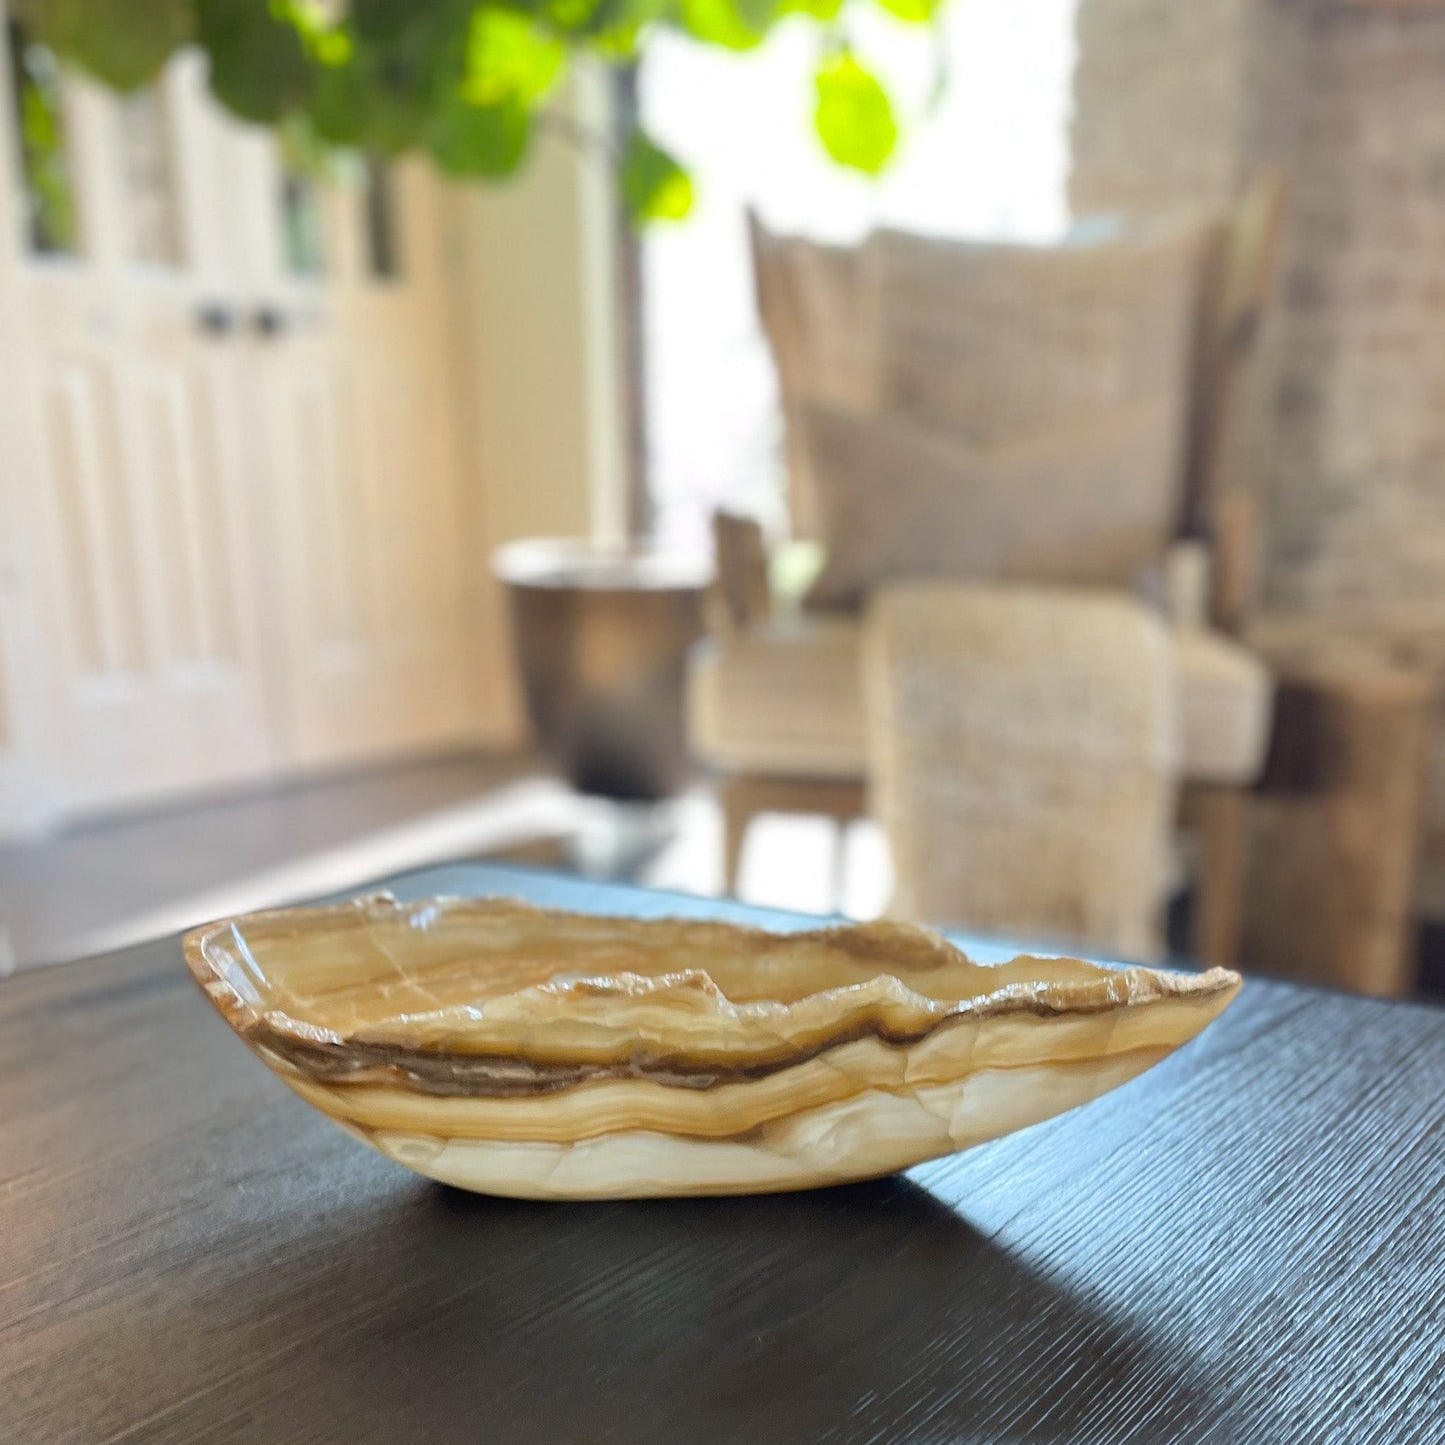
column 776, row 702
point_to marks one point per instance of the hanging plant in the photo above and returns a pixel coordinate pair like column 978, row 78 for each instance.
column 465, row 82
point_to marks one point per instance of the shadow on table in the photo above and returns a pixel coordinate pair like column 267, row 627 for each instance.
column 871, row 1312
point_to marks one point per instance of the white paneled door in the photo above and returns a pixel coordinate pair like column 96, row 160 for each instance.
column 354, row 391
column 229, row 542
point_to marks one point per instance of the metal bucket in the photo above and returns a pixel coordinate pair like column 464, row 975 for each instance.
column 602, row 634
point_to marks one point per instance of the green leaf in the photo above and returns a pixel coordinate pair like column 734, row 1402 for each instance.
column 619, row 43
column 259, row 67
column 575, row 16
column 382, row 21
column 323, row 41
column 758, row 15
column 339, row 106
column 486, row 141
column 462, row 77
column 719, row 22
column 654, row 186
column 854, row 116
column 383, row 99
column 395, row 121
column 612, row 27
column 123, row 45
column 509, row 58
column 915, row 12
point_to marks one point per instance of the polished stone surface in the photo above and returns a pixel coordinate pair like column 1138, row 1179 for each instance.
column 539, row 1053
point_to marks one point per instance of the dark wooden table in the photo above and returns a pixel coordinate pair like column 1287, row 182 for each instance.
column 1246, row 1244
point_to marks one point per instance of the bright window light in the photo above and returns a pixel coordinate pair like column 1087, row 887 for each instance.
column 992, row 161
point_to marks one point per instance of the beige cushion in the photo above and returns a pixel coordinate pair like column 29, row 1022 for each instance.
column 786, row 700
column 818, row 309
column 1092, row 502
column 996, row 340
column 783, row 699
column 1224, row 705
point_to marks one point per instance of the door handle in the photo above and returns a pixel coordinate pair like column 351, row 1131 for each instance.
column 270, row 321
column 216, row 319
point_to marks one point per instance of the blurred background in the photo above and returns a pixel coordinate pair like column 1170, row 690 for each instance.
column 982, row 462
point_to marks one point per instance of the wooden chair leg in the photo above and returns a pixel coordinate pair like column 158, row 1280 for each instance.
column 738, row 809
column 1221, row 820
column 840, row 864
column 746, row 795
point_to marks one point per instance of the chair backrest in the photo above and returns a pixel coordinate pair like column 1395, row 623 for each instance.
column 1237, row 294
column 819, row 309
column 1022, row 760
column 813, row 302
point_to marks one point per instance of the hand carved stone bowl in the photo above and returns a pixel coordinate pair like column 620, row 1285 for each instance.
column 514, row 1050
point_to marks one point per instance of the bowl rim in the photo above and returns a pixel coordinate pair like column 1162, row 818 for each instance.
column 1101, row 989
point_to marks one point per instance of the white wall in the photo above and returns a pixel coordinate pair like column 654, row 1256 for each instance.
column 539, row 350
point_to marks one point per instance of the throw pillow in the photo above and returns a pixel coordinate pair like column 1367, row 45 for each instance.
column 1091, row 501
column 991, row 341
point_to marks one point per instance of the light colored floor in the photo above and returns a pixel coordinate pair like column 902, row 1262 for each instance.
column 101, row 887
column 789, row 861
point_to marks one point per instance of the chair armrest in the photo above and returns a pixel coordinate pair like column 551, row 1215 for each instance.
column 755, row 582
column 1233, row 560
column 1210, row 584
column 742, row 592
column 1186, row 584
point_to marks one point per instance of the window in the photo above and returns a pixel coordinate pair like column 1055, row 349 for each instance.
column 993, row 161
column 302, row 232
column 148, row 176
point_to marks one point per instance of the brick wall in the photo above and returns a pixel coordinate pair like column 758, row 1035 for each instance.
column 1358, row 505
column 1160, row 103
column 1175, row 100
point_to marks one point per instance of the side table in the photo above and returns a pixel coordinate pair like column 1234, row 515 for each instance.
column 1336, row 825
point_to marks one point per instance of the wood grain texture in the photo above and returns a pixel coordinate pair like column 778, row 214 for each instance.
column 1244, row 1244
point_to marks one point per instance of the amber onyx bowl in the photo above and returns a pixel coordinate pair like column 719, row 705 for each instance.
column 515, row 1050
